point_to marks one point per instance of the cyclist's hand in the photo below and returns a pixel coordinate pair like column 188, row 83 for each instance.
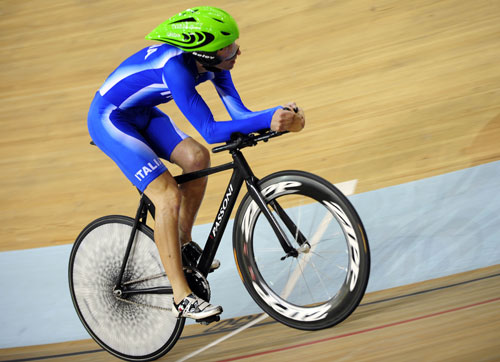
column 299, row 112
column 290, row 118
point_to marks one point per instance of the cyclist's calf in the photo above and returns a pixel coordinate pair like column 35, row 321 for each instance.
column 165, row 195
column 190, row 156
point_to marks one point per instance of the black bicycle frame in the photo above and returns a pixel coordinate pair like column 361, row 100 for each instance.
column 241, row 173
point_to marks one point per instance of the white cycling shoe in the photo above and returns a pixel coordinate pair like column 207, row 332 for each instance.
column 196, row 308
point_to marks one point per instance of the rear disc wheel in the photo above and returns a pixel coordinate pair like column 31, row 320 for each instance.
column 133, row 327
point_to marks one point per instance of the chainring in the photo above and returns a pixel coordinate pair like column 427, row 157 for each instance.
column 198, row 283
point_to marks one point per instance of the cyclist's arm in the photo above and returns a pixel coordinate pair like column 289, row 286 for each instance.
column 181, row 84
column 232, row 101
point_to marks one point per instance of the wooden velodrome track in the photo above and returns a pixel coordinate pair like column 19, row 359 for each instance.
column 394, row 91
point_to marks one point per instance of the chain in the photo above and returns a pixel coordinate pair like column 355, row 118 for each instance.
column 138, row 303
column 156, row 276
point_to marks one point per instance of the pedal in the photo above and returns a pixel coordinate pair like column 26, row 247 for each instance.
column 207, row 321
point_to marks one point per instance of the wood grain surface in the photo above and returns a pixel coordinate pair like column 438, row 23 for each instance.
column 393, row 91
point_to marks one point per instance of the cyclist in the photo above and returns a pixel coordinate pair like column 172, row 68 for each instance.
column 124, row 122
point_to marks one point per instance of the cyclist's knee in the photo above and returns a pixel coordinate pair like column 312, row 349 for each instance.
column 191, row 156
column 198, row 159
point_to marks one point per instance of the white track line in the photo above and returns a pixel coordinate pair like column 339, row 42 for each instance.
column 222, row 339
column 347, row 187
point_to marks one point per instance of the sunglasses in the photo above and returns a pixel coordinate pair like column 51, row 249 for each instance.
column 233, row 55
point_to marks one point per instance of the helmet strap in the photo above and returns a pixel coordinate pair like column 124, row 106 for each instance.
column 212, row 69
column 208, row 60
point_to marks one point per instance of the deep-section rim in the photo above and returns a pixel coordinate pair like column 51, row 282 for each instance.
column 350, row 304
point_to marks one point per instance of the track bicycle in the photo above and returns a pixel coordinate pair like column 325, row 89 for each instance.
column 300, row 249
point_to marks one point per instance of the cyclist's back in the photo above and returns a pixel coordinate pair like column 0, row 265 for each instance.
column 160, row 73
column 139, row 80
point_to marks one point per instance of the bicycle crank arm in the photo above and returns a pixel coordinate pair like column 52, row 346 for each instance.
column 154, row 290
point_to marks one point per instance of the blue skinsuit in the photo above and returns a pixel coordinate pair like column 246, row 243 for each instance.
column 125, row 123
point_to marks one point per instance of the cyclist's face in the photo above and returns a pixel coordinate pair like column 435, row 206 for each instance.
column 229, row 54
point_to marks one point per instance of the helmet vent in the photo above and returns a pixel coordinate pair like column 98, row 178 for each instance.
column 184, row 20
column 225, row 33
column 220, row 21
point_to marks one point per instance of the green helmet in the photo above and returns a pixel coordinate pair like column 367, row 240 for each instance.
column 202, row 30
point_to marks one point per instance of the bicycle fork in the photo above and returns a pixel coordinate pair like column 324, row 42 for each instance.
column 259, row 198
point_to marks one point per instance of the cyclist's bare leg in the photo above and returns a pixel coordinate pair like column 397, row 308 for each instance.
column 190, row 156
column 166, row 196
